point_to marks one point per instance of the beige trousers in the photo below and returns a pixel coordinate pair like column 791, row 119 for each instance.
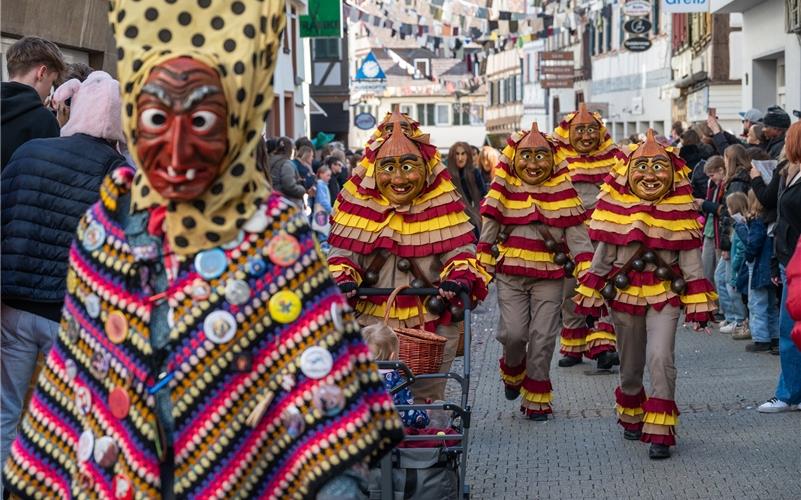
column 434, row 389
column 530, row 322
column 650, row 340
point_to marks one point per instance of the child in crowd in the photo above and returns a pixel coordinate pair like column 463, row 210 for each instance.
column 737, row 284
column 322, row 207
column 762, row 302
column 383, row 344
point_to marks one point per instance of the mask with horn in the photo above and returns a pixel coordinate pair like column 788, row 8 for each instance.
column 585, row 131
column 650, row 170
column 400, row 169
column 533, row 162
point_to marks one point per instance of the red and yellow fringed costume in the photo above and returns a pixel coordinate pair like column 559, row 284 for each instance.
column 587, row 172
column 426, row 242
column 533, row 236
column 647, row 267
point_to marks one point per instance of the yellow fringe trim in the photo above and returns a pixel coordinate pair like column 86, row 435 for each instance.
column 594, row 336
column 661, row 418
column 398, row 313
column 572, row 342
column 528, row 255
column 626, row 220
column 632, row 412
column 471, row 265
column 513, row 380
column 397, row 224
column 339, row 269
column 536, row 397
column 586, row 291
column 699, row 298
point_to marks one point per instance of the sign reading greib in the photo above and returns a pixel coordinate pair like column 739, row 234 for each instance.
column 678, row 6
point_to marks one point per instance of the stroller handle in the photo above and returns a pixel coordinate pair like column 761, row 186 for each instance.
column 424, row 292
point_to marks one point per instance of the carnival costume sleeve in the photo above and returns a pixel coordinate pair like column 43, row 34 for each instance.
column 490, row 229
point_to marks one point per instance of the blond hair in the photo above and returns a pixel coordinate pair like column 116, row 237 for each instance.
column 488, row 156
column 737, row 203
column 382, row 341
column 755, row 208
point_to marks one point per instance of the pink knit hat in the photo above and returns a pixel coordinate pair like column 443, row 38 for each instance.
column 95, row 108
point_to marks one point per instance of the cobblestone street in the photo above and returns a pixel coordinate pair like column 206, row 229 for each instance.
column 726, row 449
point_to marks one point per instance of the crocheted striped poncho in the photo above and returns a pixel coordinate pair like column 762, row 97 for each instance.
column 272, row 389
column 512, row 203
column 667, row 225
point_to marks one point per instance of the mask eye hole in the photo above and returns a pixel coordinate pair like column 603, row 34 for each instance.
column 203, row 121
column 154, row 119
column 407, row 167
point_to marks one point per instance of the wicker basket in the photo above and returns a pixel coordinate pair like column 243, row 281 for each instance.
column 421, row 350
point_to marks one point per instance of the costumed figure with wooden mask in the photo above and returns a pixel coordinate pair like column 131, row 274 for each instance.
column 399, row 221
column 584, row 143
column 533, row 238
column 646, row 269
column 204, row 350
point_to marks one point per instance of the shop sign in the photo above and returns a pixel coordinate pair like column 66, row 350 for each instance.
column 637, row 8
column 364, row 121
column 637, row 44
column 681, row 6
column 637, row 26
column 324, row 19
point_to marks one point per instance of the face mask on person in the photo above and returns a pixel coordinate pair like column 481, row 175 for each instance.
column 182, row 127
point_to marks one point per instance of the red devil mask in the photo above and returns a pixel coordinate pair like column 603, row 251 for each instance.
column 182, row 136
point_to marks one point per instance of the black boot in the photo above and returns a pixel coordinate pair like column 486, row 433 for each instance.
column 511, row 393
column 538, row 417
column 608, row 359
column 659, row 451
column 569, row 361
column 632, row 435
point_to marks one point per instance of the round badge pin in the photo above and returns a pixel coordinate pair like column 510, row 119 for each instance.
column 211, row 264
column 283, row 249
column 257, row 222
column 285, row 306
column 99, row 365
column 106, row 452
column 72, row 330
column 256, row 267
column 86, row 445
column 83, row 399
column 92, row 304
column 329, row 399
column 71, row 368
column 316, row 362
column 336, row 316
column 237, row 292
column 240, row 237
column 200, row 290
column 94, row 236
column 220, row 327
column 117, row 327
column 119, row 402
column 293, row 422
column 123, row 489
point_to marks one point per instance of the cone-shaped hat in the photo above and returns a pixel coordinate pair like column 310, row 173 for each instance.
column 534, row 139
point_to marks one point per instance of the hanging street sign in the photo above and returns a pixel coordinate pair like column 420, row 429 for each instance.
column 557, row 83
column 554, row 55
column 370, row 69
column 637, row 26
column 323, row 21
column 681, row 6
column 562, row 70
column 364, row 121
column 636, row 8
column 637, row 44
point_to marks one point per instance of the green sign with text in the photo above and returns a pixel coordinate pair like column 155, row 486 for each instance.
column 323, row 20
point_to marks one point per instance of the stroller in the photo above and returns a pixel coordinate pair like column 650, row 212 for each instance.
column 427, row 465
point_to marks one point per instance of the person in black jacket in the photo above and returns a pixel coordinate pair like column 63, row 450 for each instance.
column 788, row 229
column 695, row 154
column 34, row 65
column 46, row 187
column 776, row 122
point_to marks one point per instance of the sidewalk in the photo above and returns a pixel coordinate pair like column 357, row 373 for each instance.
column 726, row 449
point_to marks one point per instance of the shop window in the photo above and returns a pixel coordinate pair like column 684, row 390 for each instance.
column 793, row 16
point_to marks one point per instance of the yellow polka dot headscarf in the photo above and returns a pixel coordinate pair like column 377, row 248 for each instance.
column 237, row 38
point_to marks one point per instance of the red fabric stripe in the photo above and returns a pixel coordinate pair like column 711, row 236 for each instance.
column 589, row 179
column 574, row 333
column 344, row 261
column 512, row 371
column 630, row 426
column 398, row 249
column 478, row 289
column 656, row 405
column 647, row 209
column 699, row 317
column 630, row 401
column 599, row 349
column 583, row 257
column 529, row 272
column 603, row 326
column 565, row 192
column 701, row 285
column 534, row 216
column 537, row 386
column 592, row 280
column 594, row 157
column 646, row 277
column 636, row 235
column 669, row 439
